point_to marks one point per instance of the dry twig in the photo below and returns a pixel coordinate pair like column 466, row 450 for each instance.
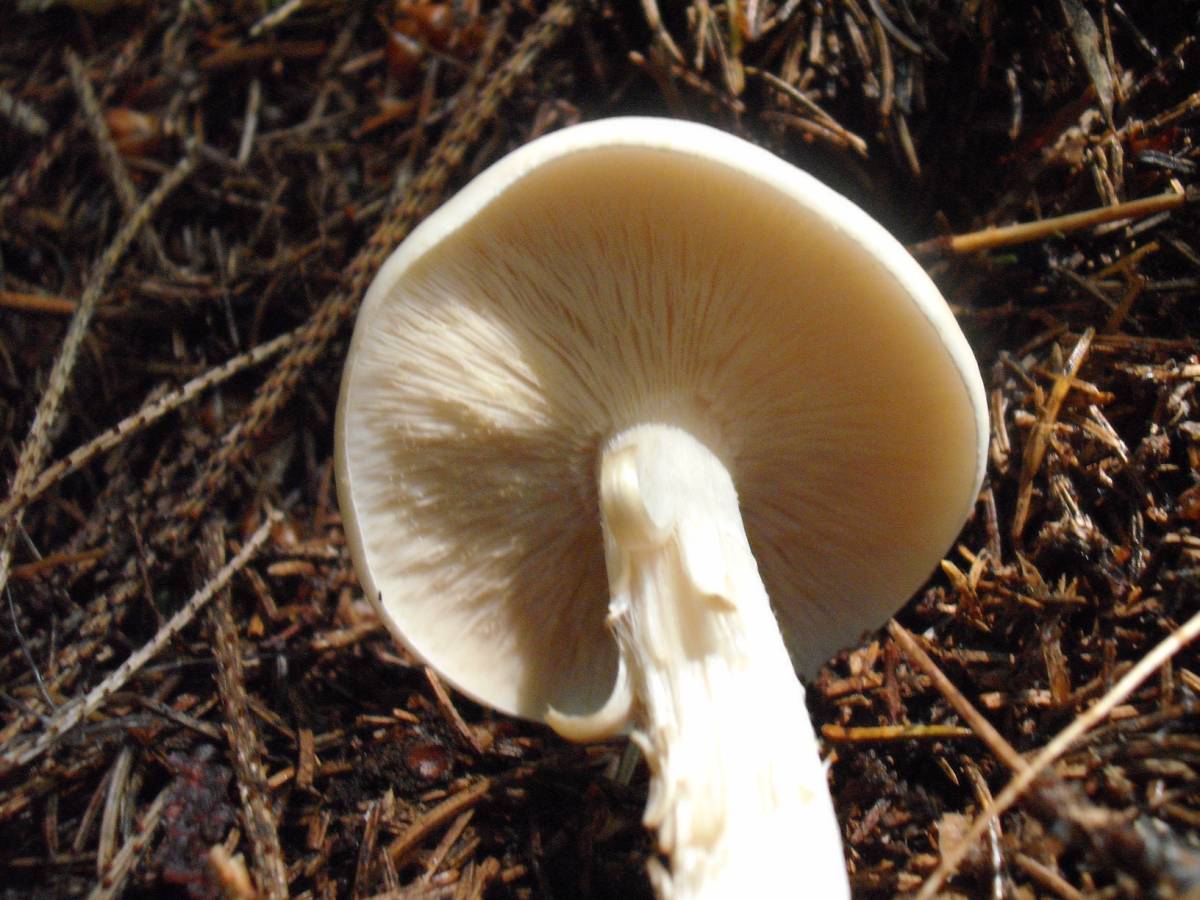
column 1027, row 232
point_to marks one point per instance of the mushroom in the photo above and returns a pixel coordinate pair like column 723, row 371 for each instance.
column 634, row 379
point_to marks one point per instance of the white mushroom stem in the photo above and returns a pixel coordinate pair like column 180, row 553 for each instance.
column 738, row 793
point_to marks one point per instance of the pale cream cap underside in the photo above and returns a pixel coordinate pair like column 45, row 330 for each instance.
column 644, row 270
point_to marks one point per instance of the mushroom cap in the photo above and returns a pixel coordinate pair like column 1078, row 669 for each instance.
column 630, row 271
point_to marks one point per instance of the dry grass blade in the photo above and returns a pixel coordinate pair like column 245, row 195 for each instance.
column 67, row 717
column 476, row 878
column 25, row 181
column 117, row 782
column 1063, row 741
column 366, row 847
column 112, row 882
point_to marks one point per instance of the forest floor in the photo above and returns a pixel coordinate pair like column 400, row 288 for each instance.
column 195, row 698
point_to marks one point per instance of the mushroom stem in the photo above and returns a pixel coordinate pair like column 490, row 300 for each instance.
column 738, row 793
